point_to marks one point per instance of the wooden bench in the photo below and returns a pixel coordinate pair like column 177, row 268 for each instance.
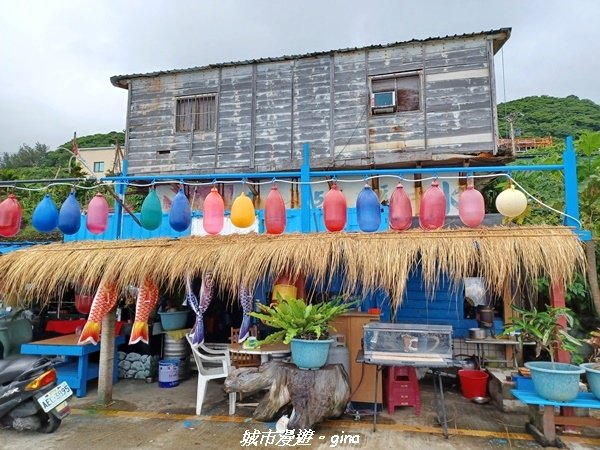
column 77, row 370
column 543, row 421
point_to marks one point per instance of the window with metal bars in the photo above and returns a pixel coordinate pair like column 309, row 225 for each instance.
column 197, row 113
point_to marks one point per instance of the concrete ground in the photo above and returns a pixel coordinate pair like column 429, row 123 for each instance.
column 146, row 416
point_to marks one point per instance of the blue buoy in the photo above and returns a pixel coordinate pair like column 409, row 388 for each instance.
column 69, row 217
column 368, row 210
column 45, row 215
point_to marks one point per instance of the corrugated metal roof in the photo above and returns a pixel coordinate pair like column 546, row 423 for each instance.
column 7, row 247
column 503, row 35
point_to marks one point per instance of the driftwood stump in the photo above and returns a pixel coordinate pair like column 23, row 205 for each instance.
column 314, row 394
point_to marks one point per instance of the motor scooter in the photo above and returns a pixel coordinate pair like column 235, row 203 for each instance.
column 30, row 398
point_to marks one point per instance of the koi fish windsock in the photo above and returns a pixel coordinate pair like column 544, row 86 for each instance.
column 245, row 297
column 104, row 300
column 199, row 306
column 145, row 303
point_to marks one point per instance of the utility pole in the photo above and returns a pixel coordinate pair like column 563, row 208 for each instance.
column 511, row 118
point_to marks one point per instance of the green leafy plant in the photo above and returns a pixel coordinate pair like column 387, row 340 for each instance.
column 543, row 328
column 297, row 319
column 594, row 342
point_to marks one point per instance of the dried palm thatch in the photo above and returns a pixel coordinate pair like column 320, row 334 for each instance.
column 367, row 261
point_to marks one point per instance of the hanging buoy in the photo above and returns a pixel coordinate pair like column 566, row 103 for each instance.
column 180, row 215
column 400, row 209
column 511, row 202
column 97, row 214
column 242, row 211
column 151, row 213
column 334, row 209
column 432, row 212
column 471, row 207
column 368, row 210
column 45, row 215
column 213, row 212
column 275, row 214
column 69, row 216
column 10, row 216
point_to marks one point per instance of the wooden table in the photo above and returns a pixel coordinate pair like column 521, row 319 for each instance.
column 543, row 426
column 76, row 370
column 265, row 351
column 495, row 341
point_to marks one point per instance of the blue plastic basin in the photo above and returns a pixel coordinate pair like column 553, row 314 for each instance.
column 175, row 320
column 592, row 372
column 557, row 382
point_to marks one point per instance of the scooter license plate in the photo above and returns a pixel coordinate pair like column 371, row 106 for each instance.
column 55, row 397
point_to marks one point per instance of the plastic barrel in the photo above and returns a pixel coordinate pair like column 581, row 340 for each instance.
column 473, row 383
column 283, row 290
column 168, row 373
column 178, row 350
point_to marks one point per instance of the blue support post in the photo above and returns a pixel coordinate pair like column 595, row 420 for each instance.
column 571, row 194
column 118, row 215
column 305, row 192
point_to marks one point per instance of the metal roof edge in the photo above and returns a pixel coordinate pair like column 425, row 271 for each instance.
column 500, row 36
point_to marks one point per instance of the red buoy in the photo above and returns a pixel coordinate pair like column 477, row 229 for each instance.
column 334, row 209
column 432, row 212
column 400, row 209
column 10, row 216
column 471, row 207
column 275, row 214
column 213, row 212
column 97, row 214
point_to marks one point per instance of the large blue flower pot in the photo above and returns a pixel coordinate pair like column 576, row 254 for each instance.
column 310, row 354
column 557, row 382
column 592, row 372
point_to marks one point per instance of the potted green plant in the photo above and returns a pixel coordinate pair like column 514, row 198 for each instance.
column 551, row 380
column 303, row 325
column 592, row 368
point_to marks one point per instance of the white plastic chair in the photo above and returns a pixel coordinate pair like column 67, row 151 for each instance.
column 211, row 365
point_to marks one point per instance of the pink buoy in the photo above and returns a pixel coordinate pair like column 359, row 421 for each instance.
column 11, row 214
column 400, row 214
column 432, row 212
column 334, row 209
column 213, row 212
column 275, row 214
column 471, row 207
column 97, row 214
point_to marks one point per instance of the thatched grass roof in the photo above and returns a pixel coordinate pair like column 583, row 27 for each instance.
column 371, row 261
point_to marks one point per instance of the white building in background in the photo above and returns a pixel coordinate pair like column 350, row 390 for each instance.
column 99, row 160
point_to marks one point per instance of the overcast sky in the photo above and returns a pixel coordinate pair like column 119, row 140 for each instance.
column 56, row 57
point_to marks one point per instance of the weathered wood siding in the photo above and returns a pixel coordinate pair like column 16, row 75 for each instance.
column 267, row 110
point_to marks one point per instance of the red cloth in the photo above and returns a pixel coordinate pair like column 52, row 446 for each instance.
column 69, row 326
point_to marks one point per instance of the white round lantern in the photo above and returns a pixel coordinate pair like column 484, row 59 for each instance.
column 511, row 202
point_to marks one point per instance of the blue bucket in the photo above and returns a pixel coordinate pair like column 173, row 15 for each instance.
column 168, row 373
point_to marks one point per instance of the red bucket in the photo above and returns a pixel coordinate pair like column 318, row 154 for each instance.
column 473, row 383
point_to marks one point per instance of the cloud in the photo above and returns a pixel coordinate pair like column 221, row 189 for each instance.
column 57, row 57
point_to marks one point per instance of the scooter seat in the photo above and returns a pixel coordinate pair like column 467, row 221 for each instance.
column 10, row 369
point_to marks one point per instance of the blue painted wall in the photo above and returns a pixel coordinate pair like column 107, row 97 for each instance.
column 130, row 230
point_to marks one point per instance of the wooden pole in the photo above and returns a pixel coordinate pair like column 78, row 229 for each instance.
column 507, row 314
column 107, row 360
column 557, row 300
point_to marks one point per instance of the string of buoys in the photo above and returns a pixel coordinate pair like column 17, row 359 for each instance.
column 432, row 211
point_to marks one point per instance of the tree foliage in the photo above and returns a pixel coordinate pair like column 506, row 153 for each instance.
column 550, row 116
column 39, row 162
column 97, row 140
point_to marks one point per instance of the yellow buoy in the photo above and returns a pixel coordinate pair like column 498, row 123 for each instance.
column 242, row 211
